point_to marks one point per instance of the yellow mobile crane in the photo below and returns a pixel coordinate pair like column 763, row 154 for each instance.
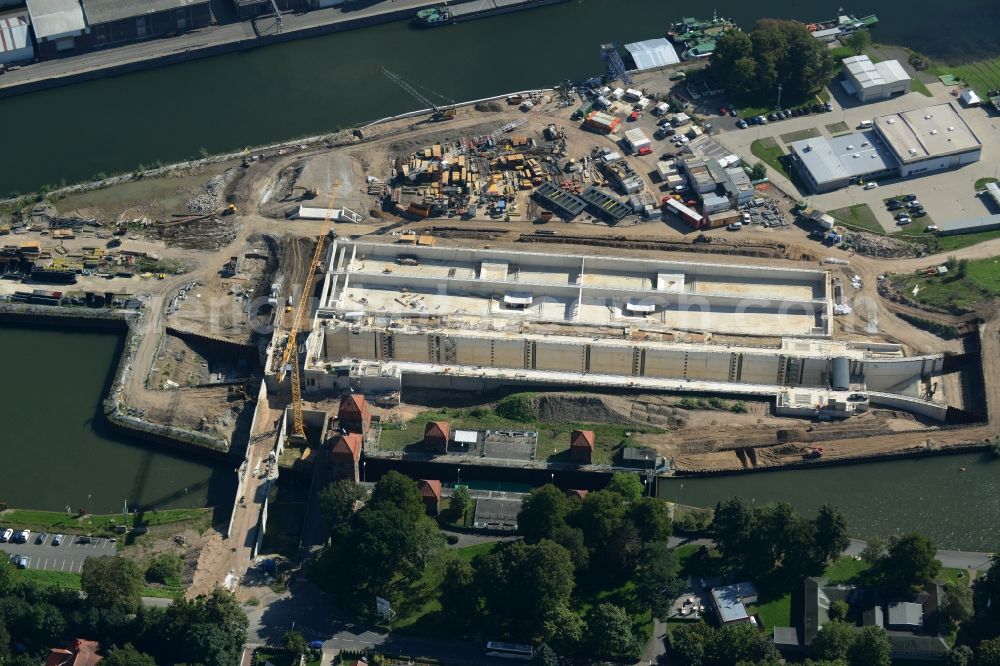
column 290, row 356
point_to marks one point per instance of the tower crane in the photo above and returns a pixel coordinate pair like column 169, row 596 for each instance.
column 290, row 355
column 440, row 112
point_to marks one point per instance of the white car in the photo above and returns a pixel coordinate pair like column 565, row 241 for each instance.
column 871, row 185
column 5, row 537
column 746, row 218
column 735, row 226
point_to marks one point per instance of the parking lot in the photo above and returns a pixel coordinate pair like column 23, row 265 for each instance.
column 68, row 556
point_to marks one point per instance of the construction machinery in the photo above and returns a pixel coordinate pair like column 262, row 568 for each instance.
column 289, row 358
column 440, row 112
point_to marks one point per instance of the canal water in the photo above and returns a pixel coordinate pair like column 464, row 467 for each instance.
column 957, row 509
column 317, row 85
column 57, row 450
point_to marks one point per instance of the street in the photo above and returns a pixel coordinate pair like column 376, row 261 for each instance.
column 68, row 556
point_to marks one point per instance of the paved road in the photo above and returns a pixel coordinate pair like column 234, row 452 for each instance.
column 68, row 556
column 197, row 40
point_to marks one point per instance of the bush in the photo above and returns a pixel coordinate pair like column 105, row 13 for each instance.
column 452, row 539
column 738, row 408
column 688, row 403
column 164, row 568
column 518, row 407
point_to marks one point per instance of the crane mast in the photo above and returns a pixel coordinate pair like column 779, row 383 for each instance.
column 290, row 355
column 440, row 113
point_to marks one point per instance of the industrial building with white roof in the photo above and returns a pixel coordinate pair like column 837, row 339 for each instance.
column 463, row 318
column 871, row 82
column 903, row 144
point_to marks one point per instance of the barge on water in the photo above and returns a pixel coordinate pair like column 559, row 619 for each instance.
column 446, row 15
column 842, row 26
column 695, row 38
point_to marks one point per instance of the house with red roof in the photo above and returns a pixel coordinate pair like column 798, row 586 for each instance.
column 581, row 446
column 430, row 493
column 354, row 414
column 78, row 652
column 436, row 435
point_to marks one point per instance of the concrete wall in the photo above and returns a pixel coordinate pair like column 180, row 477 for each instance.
column 557, row 356
column 889, row 376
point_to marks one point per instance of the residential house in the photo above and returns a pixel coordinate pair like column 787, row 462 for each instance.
column 581, row 446
column 436, row 435
column 354, row 414
column 430, row 493
column 78, row 652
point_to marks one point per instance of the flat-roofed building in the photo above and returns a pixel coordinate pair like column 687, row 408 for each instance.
column 122, row 21
column 872, row 81
column 928, row 139
column 58, row 25
column 830, row 164
column 15, row 39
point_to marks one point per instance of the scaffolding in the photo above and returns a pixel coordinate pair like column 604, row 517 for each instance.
column 616, row 68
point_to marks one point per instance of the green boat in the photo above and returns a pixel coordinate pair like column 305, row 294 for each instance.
column 432, row 17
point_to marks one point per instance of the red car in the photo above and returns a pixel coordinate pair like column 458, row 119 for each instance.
column 633, row 116
column 723, row 111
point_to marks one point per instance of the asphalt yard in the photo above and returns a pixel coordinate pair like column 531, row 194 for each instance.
column 68, row 556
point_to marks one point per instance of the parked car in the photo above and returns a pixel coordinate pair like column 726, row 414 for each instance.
column 732, row 112
column 903, row 220
column 931, row 227
column 702, row 238
column 918, row 213
column 25, row 535
column 680, row 188
column 84, row 539
column 909, row 197
column 57, row 540
column 788, row 113
column 828, row 107
column 913, row 203
column 772, row 117
column 761, row 120
column 723, row 111
column 871, row 185
column 7, row 534
column 22, row 562
column 315, row 645
column 894, row 205
column 746, row 217
column 742, row 124
column 735, row 226
column 663, row 121
column 42, row 537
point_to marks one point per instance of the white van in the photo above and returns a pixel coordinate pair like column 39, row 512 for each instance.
column 864, row 124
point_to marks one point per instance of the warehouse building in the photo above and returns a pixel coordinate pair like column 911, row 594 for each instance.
column 482, row 319
column 15, row 40
column 652, row 53
column 59, row 25
column 871, row 82
column 899, row 145
column 121, row 21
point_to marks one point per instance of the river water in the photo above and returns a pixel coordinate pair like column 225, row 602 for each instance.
column 957, row 509
column 317, row 85
column 57, row 449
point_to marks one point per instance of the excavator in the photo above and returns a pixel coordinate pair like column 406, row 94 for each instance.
column 289, row 359
column 440, row 112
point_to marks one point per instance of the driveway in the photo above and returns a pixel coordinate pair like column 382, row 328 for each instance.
column 68, row 556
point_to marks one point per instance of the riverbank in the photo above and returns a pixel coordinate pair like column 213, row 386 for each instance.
column 204, row 43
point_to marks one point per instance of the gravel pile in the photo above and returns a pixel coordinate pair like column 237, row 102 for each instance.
column 211, row 199
column 882, row 246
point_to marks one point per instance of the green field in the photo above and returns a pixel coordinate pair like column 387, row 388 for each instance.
column 553, row 438
column 982, row 76
column 71, row 581
column 768, row 151
column 859, row 217
column 101, row 525
column 950, row 292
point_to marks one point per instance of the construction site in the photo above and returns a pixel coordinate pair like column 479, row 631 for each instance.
column 511, row 245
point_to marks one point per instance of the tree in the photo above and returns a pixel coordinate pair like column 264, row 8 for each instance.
column 599, row 516
column 610, row 631
column 209, row 630
column 758, row 171
column 621, row 552
column 833, row 641
column 957, row 602
column 543, row 510
column 5, row 643
column 858, row 41
column 874, row 551
column 831, row 533
column 988, row 653
column 545, row 656
column 571, row 538
column 733, row 525
column 6, row 576
column 337, row 502
column 870, row 648
column 399, row 491
column 461, row 500
column 295, row 642
column 563, row 628
column 657, row 581
column 163, row 568
column 737, row 643
column 628, row 485
column 111, row 582
column 910, row 562
column 960, row 655
column 688, row 642
column 838, row 610
column 127, row 655
column 651, row 519
column 459, row 601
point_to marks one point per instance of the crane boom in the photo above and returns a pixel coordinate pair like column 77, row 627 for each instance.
column 290, row 355
column 439, row 112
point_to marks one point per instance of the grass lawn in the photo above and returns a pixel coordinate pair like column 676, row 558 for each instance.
column 954, row 576
column 775, row 613
column 948, row 243
column 918, row 86
column 807, row 133
column 838, row 128
column 447, row 517
column 982, row 76
column 982, row 281
column 99, row 525
column 553, row 438
column 858, row 216
column 71, row 581
column 845, row 570
column 768, row 151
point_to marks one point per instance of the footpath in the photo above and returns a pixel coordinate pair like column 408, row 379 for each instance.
column 209, row 41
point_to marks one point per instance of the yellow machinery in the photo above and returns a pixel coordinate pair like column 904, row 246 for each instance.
column 290, row 356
